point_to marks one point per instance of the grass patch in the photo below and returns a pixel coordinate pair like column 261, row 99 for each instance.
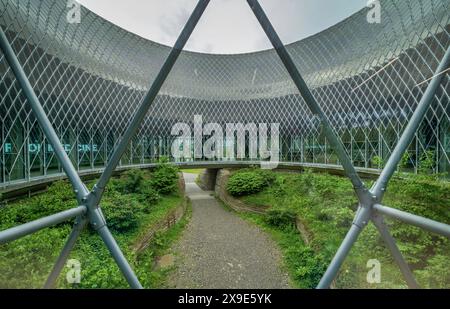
column 326, row 204
column 196, row 171
column 132, row 204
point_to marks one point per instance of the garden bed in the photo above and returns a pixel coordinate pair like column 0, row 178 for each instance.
column 133, row 204
column 325, row 205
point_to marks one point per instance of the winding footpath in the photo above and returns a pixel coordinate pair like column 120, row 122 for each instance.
column 220, row 250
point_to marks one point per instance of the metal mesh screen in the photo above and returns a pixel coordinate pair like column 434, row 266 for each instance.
column 90, row 77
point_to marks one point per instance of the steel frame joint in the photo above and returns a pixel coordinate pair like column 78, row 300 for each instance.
column 96, row 218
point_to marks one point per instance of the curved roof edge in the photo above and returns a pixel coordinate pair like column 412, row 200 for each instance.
column 338, row 52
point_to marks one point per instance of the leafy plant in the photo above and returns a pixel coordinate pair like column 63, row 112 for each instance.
column 405, row 160
column 326, row 205
column 26, row 262
column 427, row 161
column 149, row 196
column 281, row 218
column 133, row 180
column 309, row 266
column 436, row 274
column 248, row 181
column 121, row 213
column 278, row 187
column 378, row 161
column 164, row 178
column 340, row 216
column 163, row 160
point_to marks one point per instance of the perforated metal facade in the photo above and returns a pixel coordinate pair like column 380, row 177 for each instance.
column 90, row 78
column 88, row 97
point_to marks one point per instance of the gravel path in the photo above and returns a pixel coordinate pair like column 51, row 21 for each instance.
column 220, row 250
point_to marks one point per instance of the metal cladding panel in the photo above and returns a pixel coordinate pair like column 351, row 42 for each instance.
column 90, row 77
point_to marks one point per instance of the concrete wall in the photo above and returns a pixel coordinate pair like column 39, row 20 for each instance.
column 208, row 179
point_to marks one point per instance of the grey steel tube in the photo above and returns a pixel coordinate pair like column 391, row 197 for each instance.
column 405, row 140
column 39, row 224
column 151, row 95
column 338, row 259
column 41, row 116
column 61, row 261
column 118, row 256
column 424, row 223
column 306, row 94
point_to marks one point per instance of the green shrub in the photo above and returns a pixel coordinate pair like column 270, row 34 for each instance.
column 149, row 196
column 279, row 187
column 132, row 180
column 27, row 261
column 427, row 161
column 309, row 266
column 405, row 160
column 249, row 181
column 164, row 178
column 421, row 190
column 268, row 175
column 121, row 213
column 340, row 216
column 324, row 215
column 59, row 197
column 163, row 160
column 378, row 161
column 280, row 218
column 436, row 274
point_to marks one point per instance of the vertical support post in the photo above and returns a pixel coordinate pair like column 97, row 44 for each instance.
column 366, row 151
column 438, row 148
column 3, row 176
column 27, row 161
column 142, row 144
column 352, row 142
column 416, row 163
column 91, row 140
column 105, row 152
column 380, row 143
column 131, row 144
column 302, row 149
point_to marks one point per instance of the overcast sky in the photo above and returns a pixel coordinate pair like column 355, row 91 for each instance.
column 228, row 26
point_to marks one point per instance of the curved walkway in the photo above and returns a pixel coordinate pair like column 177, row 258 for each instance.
column 220, row 250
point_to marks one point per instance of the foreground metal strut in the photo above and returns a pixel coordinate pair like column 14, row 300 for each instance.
column 369, row 200
column 89, row 211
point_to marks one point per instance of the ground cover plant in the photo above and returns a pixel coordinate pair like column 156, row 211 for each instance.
column 326, row 205
column 133, row 203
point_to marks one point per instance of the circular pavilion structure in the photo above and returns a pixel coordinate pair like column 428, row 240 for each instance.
column 91, row 77
column 83, row 96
